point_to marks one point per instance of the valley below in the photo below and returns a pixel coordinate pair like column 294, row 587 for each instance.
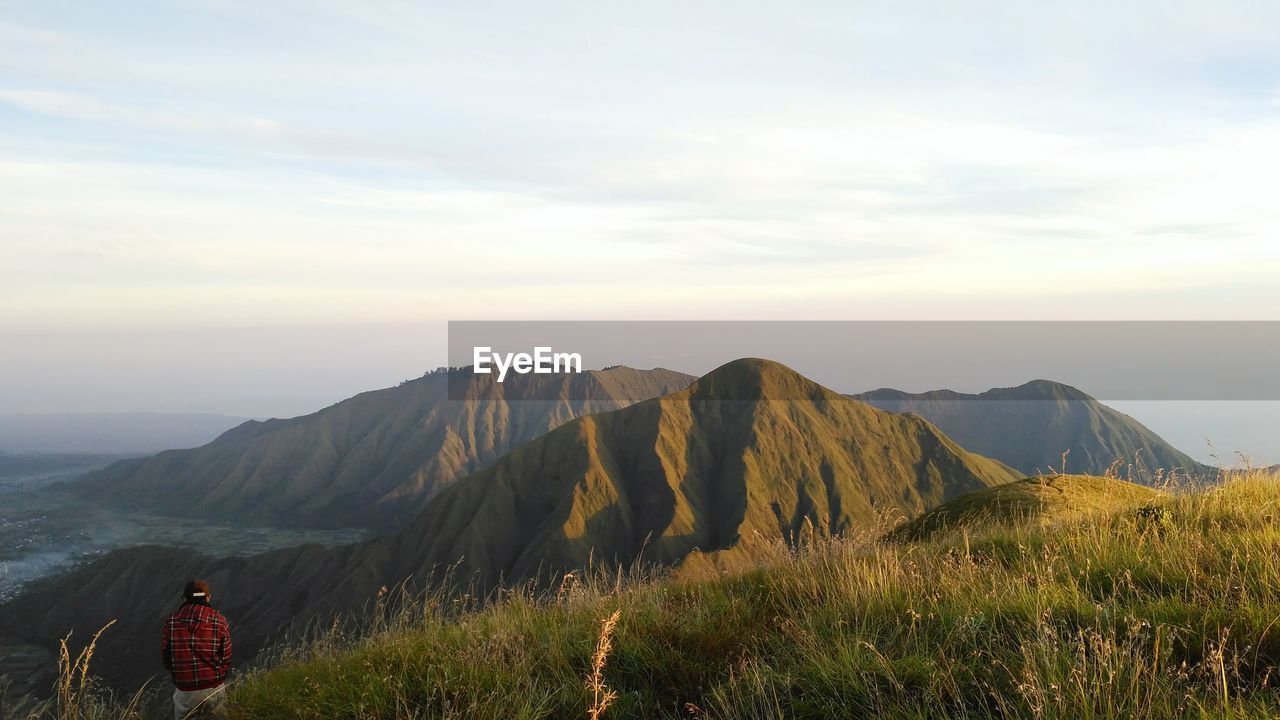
column 45, row 528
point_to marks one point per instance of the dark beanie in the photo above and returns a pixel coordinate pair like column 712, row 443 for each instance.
column 197, row 590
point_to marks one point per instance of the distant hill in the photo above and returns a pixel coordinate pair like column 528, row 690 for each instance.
column 109, row 433
column 1030, row 426
column 1038, row 499
column 701, row 468
column 368, row 461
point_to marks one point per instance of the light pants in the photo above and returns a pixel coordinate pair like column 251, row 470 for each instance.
column 207, row 703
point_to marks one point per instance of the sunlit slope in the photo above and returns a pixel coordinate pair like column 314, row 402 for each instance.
column 371, row 460
column 1029, row 427
column 1031, row 500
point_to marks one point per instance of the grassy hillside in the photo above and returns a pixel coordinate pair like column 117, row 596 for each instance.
column 1105, row 616
column 369, row 461
column 1050, row 498
column 1109, row 618
column 1029, row 427
column 707, row 468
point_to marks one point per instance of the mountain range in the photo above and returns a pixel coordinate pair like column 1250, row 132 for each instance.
column 369, row 461
column 699, row 469
column 1030, row 426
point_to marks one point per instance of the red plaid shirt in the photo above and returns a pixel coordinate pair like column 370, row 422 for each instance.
column 196, row 648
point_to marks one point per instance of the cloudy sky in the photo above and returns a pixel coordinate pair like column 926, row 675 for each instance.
column 285, row 200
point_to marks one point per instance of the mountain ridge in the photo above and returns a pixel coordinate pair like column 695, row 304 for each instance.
column 1030, row 426
column 368, row 461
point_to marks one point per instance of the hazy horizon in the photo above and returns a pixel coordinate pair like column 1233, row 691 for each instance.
column 276, row 388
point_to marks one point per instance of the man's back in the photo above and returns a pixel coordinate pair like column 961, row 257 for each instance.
column 196, row 650
column 197, row 647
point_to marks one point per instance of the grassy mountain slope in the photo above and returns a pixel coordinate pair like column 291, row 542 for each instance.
column 1100, row 617
column 368, row 461
column 700, row 468
column 1030, row 426
column 1052, row 498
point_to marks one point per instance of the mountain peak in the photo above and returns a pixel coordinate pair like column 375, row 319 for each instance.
column 752, row 379
column 1000, row 423
column 1039, row 389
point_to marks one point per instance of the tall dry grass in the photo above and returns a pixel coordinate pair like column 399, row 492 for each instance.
column 76, row 693
column 602, row 696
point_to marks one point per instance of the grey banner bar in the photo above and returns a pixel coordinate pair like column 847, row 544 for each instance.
column 1122, row 360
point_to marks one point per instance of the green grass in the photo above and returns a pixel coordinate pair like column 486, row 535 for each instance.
column 1112, row 616
column 1050, row 498
column 1107, row 615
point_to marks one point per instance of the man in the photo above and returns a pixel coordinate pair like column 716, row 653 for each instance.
column 196, row 650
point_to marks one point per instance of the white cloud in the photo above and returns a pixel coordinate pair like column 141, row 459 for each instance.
column 742, row 160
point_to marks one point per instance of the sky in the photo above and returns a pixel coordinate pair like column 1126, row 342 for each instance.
column 259, row 208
